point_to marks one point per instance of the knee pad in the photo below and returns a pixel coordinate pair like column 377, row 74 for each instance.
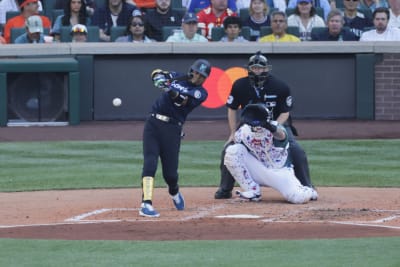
column 233, row 155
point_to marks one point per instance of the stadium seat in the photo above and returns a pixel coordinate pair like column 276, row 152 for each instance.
column 48, row 7
column 116, row 32
column 317, row 30
column 11, row 14
column 55, row 13
column 168, row 30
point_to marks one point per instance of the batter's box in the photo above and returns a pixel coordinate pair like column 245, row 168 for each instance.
column 354, row 215
column 132, row 214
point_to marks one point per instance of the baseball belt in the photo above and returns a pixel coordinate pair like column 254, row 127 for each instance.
column 165, row 118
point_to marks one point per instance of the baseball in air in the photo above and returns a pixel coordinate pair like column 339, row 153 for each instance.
column 117, row 102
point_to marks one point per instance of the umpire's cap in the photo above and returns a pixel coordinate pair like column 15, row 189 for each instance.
column 201, row 66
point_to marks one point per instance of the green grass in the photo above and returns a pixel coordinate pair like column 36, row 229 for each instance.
column 70, row 165
column 363, row 252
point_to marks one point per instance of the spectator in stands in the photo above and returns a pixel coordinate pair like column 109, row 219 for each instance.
column 394, row 20
column 305, row 17
column 213, row 16
column 258, row 17
column 79, row 33
column 90, row 6
column 162, row 15
column 34, row 31
column 279, row 27
column 354, row 20
column 134, row 32
column 28, row 8
column 114, row 13
column 335, row 30
column 272, row 4
column 197, row 5
column 11, row 5
column 233, row 28
column 324, row 4
column 382, row 31
column 372, row 4
column 188, row 32
column 74, row 13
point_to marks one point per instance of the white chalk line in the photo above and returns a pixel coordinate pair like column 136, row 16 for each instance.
column 81, row 219
column 95, row 212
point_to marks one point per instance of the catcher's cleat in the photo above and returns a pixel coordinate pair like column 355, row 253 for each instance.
column 249, row 195
column 179, row 201
column 314, row 195
column 147, row 210
column 222, row 194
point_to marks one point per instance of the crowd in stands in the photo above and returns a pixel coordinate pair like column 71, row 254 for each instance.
column 44, row 21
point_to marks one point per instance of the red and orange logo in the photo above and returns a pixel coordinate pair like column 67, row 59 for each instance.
column 219, row 85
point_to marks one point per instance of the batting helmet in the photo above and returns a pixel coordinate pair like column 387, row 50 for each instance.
column 258, row 60
column 201, row 66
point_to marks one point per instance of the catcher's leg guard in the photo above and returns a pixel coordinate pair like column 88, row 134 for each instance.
column 234, row 161
column 147, row 189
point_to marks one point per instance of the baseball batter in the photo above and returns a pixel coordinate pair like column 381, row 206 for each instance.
column 260, row 86
column 259, row 157
column 163, row 129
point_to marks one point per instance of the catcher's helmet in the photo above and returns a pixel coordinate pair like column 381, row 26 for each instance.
column 258, row 60
column 255, row 115
column 201, row 66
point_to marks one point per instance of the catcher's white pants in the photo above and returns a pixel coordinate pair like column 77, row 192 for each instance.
column 250, row 173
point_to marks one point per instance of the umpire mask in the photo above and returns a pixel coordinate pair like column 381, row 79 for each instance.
column 258, row 69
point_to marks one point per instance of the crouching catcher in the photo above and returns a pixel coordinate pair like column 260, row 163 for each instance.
column 260, row 157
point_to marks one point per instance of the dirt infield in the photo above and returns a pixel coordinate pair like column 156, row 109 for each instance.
column 113, row 214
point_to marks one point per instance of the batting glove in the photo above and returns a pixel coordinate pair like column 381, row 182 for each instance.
column 160, row 82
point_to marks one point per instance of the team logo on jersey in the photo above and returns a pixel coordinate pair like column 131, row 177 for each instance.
column 197, row 94
column 229, row 100
column 289, row 101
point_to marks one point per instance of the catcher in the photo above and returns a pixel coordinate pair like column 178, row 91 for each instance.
column 260, row 157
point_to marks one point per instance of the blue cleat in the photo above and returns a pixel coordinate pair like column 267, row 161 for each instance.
column 147, row 210
column 179, row 202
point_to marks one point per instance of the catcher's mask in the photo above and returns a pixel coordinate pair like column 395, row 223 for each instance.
column 255, row 115
column 258, row 69
column 201, row 66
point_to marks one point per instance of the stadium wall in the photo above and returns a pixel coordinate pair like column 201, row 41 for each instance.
column 349, row 80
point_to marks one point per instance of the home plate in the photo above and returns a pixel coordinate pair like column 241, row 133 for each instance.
column 239, row 216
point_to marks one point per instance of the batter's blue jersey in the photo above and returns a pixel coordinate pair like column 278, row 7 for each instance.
column 165, row 105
